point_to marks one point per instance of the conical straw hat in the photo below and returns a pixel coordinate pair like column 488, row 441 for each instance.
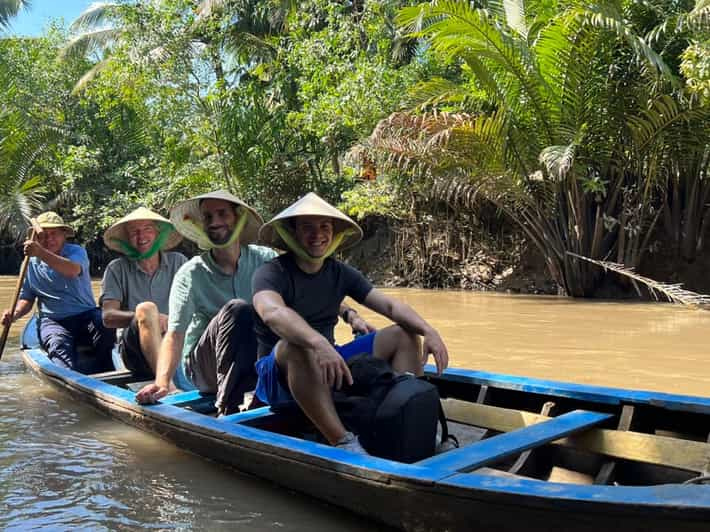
column 186, row 215
column 311, row 205
column 51, row 220
column 118, row 231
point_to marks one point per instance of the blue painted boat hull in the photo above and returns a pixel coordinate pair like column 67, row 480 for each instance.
column 436, row 494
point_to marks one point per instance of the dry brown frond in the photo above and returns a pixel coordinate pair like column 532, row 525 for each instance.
column 673, row 292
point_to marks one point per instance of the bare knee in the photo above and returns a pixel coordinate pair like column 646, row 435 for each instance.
column 287, row 353
column 400, row 348
column 394, row 339
column 292, row 356
column 146, row 312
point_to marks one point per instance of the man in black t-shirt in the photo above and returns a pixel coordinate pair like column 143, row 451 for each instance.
column 298, row 297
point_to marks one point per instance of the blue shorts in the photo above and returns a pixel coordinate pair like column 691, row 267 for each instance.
column 269, row 387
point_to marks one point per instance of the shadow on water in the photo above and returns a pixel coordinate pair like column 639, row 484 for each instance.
column 65, row 466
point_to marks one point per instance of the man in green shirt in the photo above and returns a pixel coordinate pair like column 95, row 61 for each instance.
column 210, row 343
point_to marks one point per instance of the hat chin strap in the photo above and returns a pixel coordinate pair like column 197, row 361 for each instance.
column 241, row 223
column 297, row 248
column 133, row 254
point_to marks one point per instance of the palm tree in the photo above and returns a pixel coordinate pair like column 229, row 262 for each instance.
column 572, row 137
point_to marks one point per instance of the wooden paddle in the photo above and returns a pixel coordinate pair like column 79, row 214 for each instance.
column 36, row 230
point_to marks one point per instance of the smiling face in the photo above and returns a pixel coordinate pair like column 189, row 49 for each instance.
column 314, row 233
column 53, row 239
column 141, row 234
column 219, row 219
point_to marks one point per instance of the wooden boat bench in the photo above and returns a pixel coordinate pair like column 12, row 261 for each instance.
column 686, row 455
column 490, row 450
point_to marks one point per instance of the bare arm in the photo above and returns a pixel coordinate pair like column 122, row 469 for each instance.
column 291, row 327
column 168, row 359
column 113, row 316
column 23, row 307
column 59, row 264
column 407, row 318
column 286, row 323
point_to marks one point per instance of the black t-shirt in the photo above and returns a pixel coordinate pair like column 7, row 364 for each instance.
column 316, row 297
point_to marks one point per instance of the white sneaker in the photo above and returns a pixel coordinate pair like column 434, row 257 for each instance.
column 350, row 442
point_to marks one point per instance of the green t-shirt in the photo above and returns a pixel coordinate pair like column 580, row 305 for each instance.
column 200, row 288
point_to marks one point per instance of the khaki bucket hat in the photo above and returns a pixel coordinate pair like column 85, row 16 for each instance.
column 51, row 220
column 312, row 205
column 118, row 232
column 187, row 219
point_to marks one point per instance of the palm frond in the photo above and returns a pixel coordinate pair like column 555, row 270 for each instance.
column 515, row 16
column 698, row 19
column 662, row 114
column 88, row 77
column 672, row 292
column 502, row 62
column 96, row 15
column 558, row 160
column 604, row 16
column 89, row 41
column 435, row 91
column 9, row 9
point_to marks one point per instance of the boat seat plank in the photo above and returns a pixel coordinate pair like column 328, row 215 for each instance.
column 503, row 445
column 648, row 448
column 183, row 397
column 249, row 415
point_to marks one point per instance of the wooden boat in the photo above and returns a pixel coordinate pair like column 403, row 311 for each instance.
column 537, row 455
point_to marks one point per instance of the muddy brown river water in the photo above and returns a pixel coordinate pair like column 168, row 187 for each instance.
column 65, row 466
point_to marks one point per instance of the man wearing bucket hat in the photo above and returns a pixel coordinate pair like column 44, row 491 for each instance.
column 136, row 287
column 298, row 297
column 58, row 278
column 210, row 343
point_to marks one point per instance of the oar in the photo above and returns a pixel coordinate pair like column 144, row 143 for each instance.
column 36, row 229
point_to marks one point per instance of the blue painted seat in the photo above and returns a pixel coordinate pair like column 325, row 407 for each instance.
column 493, row 449
column 249, row 415
column 184, row 397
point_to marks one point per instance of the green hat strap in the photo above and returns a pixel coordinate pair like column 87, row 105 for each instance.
column 241, row 223
column 164, row 230
column 296, row 247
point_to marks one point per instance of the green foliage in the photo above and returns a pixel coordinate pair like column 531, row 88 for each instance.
column 373, row 198
column 580, row 124
column 585, row 122
column 696, row 69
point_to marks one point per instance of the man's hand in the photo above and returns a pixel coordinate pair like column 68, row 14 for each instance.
column 32, row 248
column 359, row 325
column 7, row 317
column 150, row 394
column 334, row 370
column 163, row 320
column 434, row 345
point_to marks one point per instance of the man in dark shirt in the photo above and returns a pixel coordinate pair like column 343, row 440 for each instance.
column 298, row 297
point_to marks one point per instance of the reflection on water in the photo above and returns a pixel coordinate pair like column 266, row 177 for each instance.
column 64, row 466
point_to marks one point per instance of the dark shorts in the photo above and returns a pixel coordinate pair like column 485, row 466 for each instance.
column 270, row 386
column 131, row 353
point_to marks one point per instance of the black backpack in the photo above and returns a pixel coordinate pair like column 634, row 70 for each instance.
column 394, row 416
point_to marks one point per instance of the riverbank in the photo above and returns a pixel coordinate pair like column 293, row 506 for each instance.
column 498, row 259
column 441, row 256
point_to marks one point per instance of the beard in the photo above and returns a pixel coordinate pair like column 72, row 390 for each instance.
column 220, row 235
